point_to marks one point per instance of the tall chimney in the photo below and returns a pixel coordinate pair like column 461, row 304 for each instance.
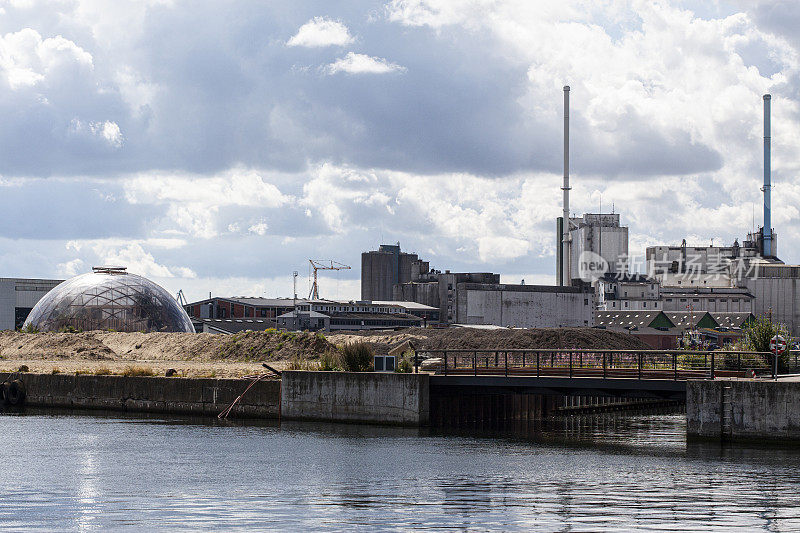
column 766, row 231
column 567, row 275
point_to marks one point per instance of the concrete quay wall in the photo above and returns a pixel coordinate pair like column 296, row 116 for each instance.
column 193, row 396
column 743, row 410
column 361, row 397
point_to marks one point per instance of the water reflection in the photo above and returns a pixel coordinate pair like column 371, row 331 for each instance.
column 600, row 472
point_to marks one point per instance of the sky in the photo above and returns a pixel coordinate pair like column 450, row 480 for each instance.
column 217, row 146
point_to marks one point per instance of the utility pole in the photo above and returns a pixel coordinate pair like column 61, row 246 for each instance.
column 294, row 306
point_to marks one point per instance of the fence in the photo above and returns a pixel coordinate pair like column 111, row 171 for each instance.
column 639, row 364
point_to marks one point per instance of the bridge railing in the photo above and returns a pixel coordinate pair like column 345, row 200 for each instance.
column 637, row 364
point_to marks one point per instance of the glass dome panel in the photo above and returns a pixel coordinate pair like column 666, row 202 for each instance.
column 109, row 299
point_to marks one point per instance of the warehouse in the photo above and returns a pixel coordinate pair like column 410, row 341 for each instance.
column 18, row 296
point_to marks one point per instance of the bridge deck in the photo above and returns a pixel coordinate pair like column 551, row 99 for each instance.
column 627, row 387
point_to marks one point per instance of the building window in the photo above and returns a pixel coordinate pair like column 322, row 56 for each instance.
column 626, row 304
column 644, row 304
column 669, row 299
column 683, row 299
column 695, row 299
column 586, row 301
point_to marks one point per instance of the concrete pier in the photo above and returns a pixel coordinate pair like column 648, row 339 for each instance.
column 363, row 397
column 743, row 410
column 193, row 396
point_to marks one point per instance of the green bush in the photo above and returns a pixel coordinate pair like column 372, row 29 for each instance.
column 758, row 334
column 404, row 366
column 30, row 328
column 357, row 357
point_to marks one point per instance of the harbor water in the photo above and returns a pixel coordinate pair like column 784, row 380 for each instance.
column 78, row 471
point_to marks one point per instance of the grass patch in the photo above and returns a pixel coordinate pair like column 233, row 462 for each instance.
column 134, row 370
column 102, row 371
column 329, row 361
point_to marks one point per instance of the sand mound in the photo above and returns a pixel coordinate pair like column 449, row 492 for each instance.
column 115, row 346
column 471, row 339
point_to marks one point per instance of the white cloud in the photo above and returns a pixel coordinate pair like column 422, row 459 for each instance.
column 194, row 202
column 27, row 59
column 320, row 32
column 259, row 228
column 354, row 63
column 70, row 268
column 130, row 254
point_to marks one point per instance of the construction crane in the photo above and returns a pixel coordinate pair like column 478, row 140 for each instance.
column 181, row 298
column 322, row 264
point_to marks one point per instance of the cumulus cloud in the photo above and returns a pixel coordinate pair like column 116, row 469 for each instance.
column 354, row 63
column 458, row 157
column 320, row 32
column 131, row 255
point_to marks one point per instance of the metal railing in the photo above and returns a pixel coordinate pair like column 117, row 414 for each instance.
column 638, row 364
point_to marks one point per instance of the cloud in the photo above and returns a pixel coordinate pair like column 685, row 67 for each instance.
column 320, row 32
column 131, row 255
column 354, row 63
column 112, row 125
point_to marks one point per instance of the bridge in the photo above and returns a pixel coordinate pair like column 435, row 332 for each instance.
column 655, row 374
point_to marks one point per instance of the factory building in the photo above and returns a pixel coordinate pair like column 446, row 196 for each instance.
column 239, row 307
column 382, row 269
column 777, row 292
column 593, row 236
column 522, row 306
column 478, row 298
column 336, row 315
column 18, row 296
column 627, row 292
column 664, row 330
column 232, row 314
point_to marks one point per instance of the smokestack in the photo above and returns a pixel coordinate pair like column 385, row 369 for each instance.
column 766, row 231
column 567, row 275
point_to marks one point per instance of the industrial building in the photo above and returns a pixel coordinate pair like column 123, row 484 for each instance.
column 382, row 269
column 232, row 314
column 240, row 307
column 663, row 330
column 335, row 315
column 473, row 298
column 18, row 296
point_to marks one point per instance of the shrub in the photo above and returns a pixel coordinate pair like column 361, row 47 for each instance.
column 404, row 366
column 102, row 371
column 329, row 361
column 23, row 368
column 758, row 334
column 55, row 370
column 133, row 370
column 68, row 329
column 357, row 357
column 30, row 328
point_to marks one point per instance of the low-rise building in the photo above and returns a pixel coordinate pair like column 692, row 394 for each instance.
column 333, row 315
column 240, row 307
column 18, row 296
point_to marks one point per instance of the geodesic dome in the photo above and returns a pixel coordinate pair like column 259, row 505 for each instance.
column 109, row 298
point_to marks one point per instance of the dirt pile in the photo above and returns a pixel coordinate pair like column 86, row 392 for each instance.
column 115, row 346
column 471, row 339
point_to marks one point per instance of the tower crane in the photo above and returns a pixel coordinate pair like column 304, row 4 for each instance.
column 322, row 264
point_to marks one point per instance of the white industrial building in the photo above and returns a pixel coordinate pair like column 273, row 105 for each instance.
column 522, row 306
column 17, row 298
